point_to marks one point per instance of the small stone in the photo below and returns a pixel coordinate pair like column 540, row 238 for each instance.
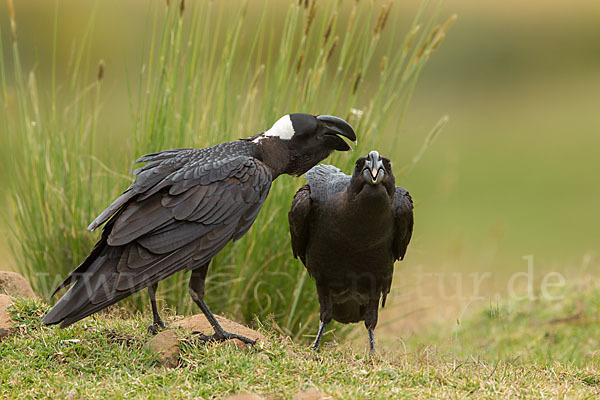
column 199, row 323
column 6, row 325
column 15, row 285
column 312, row 394
column 244, row 396
column 166, row 345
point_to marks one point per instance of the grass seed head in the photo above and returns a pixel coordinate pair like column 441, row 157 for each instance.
column 440, row 33
column 100, row 70
column 318, row 76
column 13, row 22
column 438, row 39
column 351, row 19
column 356, row 82
column 332, row 48
column 299, row 64
column 329, row 26
column 383, row 64
column 449, row 23
column 411, row 38
column 383, row 17
column 244, row 8
column 310, row 18
column 425, row 48
column 434, row 32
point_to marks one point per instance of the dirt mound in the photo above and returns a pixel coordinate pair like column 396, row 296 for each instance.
column 6, row 325
column 15, row 285
column 199, row 322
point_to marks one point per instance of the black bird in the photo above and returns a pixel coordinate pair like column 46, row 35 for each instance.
column 348, row 231
column 184, row 206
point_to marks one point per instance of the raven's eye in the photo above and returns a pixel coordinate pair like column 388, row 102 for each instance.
column 361, row 162
column 387, row 164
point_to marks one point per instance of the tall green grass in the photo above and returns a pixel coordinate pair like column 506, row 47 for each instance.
column 50, row 137
column 211, row 75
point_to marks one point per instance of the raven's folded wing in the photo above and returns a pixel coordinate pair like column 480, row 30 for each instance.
column 299, row 220
column 403, row 221
column 179, row 213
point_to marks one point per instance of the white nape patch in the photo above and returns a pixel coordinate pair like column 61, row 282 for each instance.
column 282, row 129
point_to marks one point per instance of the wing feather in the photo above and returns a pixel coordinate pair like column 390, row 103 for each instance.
column 299, row 220
column 138, row 257
column 402, row 207
column 178, row 234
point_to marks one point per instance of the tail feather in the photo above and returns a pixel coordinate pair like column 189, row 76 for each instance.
column 83, row 267
column 94, row 277
column 103, row 283
column 99, row 248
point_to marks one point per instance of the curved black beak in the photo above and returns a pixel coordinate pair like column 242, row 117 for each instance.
column 335, row 126
column 374, row 171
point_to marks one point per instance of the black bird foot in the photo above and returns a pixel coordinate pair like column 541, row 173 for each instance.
column 222, row 336
column 156, row 327
column 315, row 347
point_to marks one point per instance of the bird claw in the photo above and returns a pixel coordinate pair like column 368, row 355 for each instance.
column 156, row 327
column 222, row 336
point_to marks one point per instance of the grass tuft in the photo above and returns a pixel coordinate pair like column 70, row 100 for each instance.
column 209, row 75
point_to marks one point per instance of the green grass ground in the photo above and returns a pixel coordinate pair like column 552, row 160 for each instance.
column 524, row 349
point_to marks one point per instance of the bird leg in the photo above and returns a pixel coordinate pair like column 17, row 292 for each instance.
column 220, row 333
column 371, row 340
column 326, row 313
column 197, row 293
column 371, row 320
column 157, row 321
column 317, row 342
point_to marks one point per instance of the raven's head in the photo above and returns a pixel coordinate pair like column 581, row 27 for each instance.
column 297, row 142
column 373, row 171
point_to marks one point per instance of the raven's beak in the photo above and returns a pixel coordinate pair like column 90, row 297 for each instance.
column 374, row 171
column 335, row 126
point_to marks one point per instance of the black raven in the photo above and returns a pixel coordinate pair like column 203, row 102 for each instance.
column 348, row 231
column 184, row 206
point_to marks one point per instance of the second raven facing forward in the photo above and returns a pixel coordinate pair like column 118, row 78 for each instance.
column 184, row 206
column 348, row 231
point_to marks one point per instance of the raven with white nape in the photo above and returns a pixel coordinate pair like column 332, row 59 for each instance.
column 348, row 231
column 184, row 206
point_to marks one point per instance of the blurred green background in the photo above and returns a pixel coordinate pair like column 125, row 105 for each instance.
column 513, row 173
